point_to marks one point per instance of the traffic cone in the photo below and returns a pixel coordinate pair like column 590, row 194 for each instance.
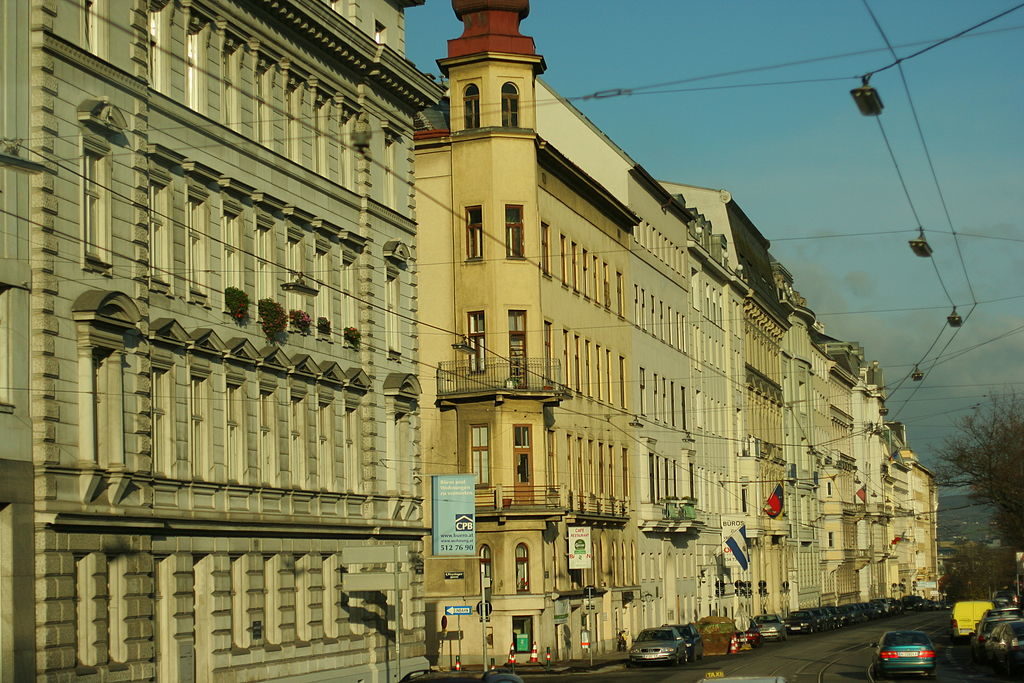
column 512, row 654
column 458, row 663
column 533, row 654
column 734, row 645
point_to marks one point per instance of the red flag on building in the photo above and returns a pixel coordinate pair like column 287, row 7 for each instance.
column 773, row 506
column 862, row 493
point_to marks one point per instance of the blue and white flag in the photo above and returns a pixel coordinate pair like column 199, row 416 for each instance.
column 736, row 545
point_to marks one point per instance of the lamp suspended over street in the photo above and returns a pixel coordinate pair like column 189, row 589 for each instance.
column 919, row 245
column 954, row 319
column 867, row 98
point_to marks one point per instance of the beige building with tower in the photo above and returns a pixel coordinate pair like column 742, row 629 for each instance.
column 210, row 393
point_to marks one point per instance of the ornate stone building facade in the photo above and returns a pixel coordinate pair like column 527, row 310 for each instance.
column 220, row 395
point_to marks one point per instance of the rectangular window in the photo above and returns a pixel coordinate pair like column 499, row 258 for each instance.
column 96, row 205
column 268, row 436
column 196, row 254
column 586, row 273
column 561, row 260
column 588, row 385
column 326, row 470
column 163, row 401
column 576, row 362
column 199, row 428
column 231, row 233
column 514, row 239
column 157, row 50
column 392, row 319
column 521, row 452
column 235, row 433
column 622, row 382
column 643, row 391
column 598, row 385
column 160, row 231
column 480, row 444
column 517, row 344
column 575, row 268
column 476, row 336
column 652, row 477
column 474, row 232
column 549, row 332
column 264, row 260
column 195, row 70
column 91, row 26
column 545, row 248
column 607, row 296
column 620, row 293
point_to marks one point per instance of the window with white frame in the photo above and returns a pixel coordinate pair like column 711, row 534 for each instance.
column 233, row 272
column 235, row 435
column 195, row 65
column 197, row 238
column 158, row 48
column 92, row 26
column 199, row 427
column 268, row 456
column 263, row 256
column 392, row 317
column 95, row 200
column 325, row 461
column 161, row 231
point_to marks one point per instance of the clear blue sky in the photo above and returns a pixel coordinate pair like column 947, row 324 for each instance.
column 803, row 163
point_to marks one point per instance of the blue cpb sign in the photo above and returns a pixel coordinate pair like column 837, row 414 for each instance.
column 454, row 514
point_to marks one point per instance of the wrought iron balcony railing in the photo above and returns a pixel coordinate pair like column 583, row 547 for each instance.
column 484, row 375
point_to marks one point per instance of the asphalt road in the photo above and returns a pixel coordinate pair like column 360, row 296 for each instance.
column 841, row 655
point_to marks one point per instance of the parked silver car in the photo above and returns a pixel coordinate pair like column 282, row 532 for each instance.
column 664, row 644
column 771, row 625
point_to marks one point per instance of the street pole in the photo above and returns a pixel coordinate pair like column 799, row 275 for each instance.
column 398, row 617
column 484, row 616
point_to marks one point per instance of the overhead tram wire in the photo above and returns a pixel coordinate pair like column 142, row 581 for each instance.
column 938, row 187
column 932, row 43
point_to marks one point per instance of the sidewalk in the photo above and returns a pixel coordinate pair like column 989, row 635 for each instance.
column 601, row 661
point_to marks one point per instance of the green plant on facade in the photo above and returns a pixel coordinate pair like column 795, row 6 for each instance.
column 300, row 320
column 323, row 326
column 273, row 318
column 237, row 303
column 352, row 337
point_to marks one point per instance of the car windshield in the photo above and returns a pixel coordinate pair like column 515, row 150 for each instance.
column 800, row 614
column 897, row 638
column 766, row 619
column 655, row 634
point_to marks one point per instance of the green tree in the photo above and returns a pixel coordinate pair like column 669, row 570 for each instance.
column 976, row 571
column 986, row 456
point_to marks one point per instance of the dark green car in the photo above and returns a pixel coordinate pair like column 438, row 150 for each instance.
column 903, row 652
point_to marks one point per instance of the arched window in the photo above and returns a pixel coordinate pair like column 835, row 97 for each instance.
column 522, row 569
column 509, row 105
column 471, row 106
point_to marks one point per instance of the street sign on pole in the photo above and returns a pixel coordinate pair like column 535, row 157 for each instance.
column 484, row 609
column 456, row 610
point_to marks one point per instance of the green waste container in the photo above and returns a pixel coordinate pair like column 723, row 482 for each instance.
column 522, row 642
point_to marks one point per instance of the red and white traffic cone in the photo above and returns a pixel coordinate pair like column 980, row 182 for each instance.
column 458, row 663
column 512, row 655
column 734, row 644
column 533, row 654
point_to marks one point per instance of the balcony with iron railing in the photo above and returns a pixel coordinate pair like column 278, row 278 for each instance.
column 670, row 514
column 522, row 499
column 482, row 378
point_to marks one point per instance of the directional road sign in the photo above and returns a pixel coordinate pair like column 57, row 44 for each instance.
column 455, row 610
